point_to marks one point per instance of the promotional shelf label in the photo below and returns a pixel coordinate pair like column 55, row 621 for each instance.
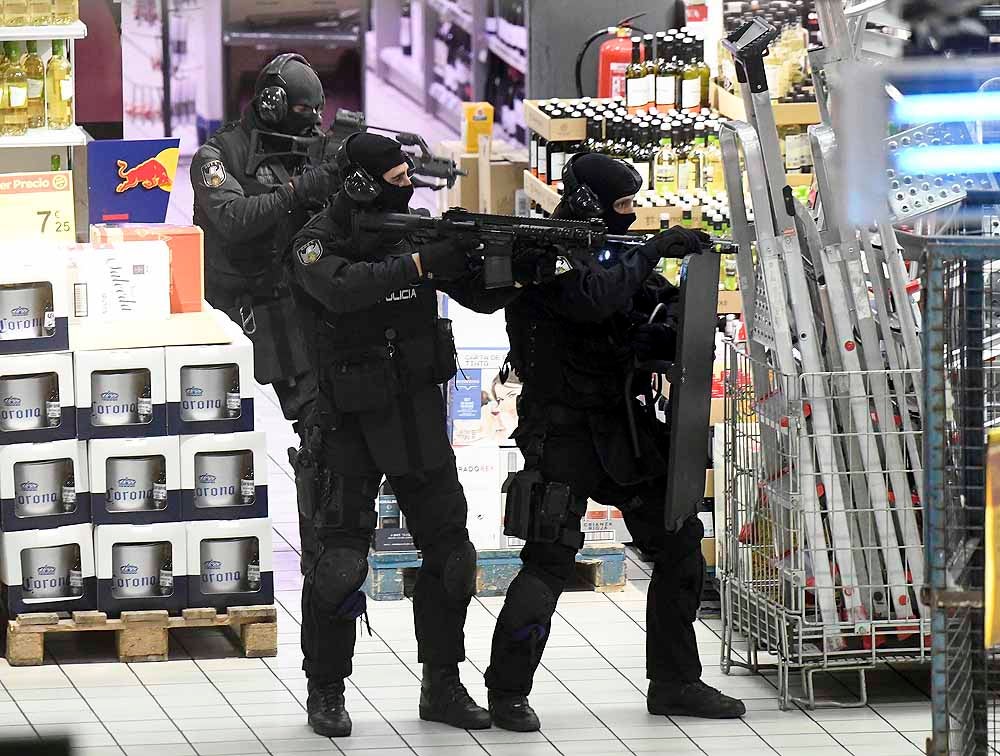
column 38, row 206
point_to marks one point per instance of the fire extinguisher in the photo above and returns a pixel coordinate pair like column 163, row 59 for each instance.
column 615, row 54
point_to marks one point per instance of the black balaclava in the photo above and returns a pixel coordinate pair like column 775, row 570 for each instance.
column 377, row 154
column 302, row 87
column 610, row 180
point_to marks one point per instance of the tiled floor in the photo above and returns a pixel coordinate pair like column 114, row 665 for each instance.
column 588, row 693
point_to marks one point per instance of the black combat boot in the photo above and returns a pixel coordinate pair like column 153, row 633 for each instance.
column 443, row 698
column 513, row 713
column 692, row 700
column 327, row 714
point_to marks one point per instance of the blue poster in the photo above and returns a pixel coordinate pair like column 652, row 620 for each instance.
column 466, row 396
column 129, row 180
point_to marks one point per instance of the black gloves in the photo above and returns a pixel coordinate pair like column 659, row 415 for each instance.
column 316, row 185
column 446, row 259
column 654, row 341
column 678, row 242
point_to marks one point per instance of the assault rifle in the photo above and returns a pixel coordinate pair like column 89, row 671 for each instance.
column 535, row 244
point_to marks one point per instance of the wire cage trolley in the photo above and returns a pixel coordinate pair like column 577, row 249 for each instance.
column 962, row 386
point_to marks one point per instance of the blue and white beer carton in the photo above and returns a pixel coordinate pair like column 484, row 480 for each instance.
column 210, row 388
column 37, row 398
column 141, row 567
column 44, row 485
column 48, row 570
column 224, row 476
column 135, row 480
column 230, row 563
column 120, row 393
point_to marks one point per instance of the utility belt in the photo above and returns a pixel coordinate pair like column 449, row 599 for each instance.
column 537, row 511
column 366, row 378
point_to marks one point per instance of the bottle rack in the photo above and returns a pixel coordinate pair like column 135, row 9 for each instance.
column 74, row 136
column 413, row 75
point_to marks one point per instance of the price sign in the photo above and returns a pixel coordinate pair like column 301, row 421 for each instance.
column 37, row 206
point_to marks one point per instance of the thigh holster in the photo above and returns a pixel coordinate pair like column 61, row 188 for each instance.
column 539, row 511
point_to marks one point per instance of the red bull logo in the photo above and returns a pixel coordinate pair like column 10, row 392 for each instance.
column 150, row 173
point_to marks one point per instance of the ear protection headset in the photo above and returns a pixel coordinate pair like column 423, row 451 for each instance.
column 582, row 201
column 272, row 99
column 357, row 182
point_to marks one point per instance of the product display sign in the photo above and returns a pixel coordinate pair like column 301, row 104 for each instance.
column 37, row 205
column 129, row 181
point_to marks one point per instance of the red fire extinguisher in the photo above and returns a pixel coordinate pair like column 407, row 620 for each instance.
column 614, row 56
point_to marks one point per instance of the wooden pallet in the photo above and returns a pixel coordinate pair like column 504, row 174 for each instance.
column 142, row 636
column 392, row 573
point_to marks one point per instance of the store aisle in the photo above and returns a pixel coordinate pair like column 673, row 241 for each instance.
column 589, row 693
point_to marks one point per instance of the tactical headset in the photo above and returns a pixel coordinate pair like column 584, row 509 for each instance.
column 358, row 184
column 272, row 100
column 580, row 198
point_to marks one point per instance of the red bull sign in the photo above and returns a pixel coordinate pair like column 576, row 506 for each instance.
column 130, row 180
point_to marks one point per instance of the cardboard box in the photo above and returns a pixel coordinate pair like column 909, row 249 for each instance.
column 141, row 567
column 34, row 304
column 53, row 580
column 135, row 481
column 507, row 166
column 210, row 388
column 477, row 121
column 110, row 385
column 44, row 485
column 219, row 552
column 37, row 398
column 187, row 257
column 114, row 282
column 223, row 476
column 481, row 409
column 391, row 533
column 181, row 329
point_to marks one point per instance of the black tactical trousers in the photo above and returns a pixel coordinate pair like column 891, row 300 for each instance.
column 435, row 509
column 569, row 456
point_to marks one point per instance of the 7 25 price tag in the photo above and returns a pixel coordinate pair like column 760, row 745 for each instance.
column 38, row 206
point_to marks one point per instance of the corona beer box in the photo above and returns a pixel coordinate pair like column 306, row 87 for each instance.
column 141, row 567
column 120, row 393
column 37, row 398
column 44, row 485
column 229, row 562
column 135, row 481
column 48, row 570
column 187, row 257
column 210, row 388
column 34, row 305
column 224, row 476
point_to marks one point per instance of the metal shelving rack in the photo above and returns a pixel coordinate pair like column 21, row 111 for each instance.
column 67, row 139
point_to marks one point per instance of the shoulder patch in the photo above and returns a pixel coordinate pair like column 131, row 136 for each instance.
column 310, row 252
column 213, row 174
column 563, row 265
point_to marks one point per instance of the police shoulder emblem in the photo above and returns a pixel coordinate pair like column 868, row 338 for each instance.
column 213, row 173
column 563, row 265
column 310, row 252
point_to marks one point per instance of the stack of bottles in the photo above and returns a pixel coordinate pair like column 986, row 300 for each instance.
column 35, row 94
column 505, row 22
column 452, row 66
column 674, row 152
column 787, row 65
column 38, row 12
column 668, row 71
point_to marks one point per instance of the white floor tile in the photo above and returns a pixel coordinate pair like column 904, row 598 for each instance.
column 673, row 746
column 310, row 745
column 232, row 748
column 462, row 750
column 158, row 737
column 171, row 749
column 521, row 749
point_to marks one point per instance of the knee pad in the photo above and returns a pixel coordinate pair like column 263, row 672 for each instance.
column 459, row 574
column 529, row 606
column 339, row 574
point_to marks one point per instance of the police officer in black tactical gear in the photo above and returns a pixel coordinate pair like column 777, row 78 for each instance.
column 370, row 308
column 254, row 188
column 573, row 341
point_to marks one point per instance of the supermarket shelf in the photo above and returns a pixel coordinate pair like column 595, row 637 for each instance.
column 403, row 74
column 540, row 192
column 449, row 10
column 785, row 113
column 507, row 54
column 74, row 136
column 449, row 115
column 76, row 30
column 250, row 36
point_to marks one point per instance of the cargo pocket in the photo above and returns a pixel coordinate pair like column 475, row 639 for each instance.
column 363, row 386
